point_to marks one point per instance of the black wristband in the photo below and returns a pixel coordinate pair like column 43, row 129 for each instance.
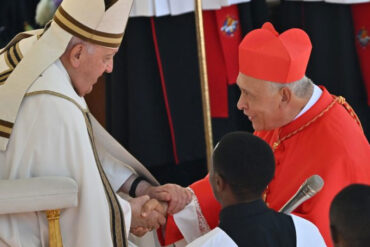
column 134, row 186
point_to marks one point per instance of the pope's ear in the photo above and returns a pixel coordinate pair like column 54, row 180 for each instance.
column 75, row 55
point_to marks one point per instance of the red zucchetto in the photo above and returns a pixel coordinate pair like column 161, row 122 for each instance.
column 266, row 55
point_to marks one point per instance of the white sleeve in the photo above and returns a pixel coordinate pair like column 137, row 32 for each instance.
column 118, row 163
column 126, row 209
column 191, row 221
column 187, row 222
column 117, row 172
column 215, row 238
column 307, row 233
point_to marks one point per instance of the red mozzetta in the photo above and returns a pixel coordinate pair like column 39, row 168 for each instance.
column 326, row 140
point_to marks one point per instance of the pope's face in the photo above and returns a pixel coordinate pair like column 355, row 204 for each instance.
column 259, row 101
column 94, row 63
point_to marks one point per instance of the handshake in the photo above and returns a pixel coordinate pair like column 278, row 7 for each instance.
column 149, row 211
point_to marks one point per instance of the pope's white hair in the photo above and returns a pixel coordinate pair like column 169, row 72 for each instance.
column 301, row 88
column 75, row 40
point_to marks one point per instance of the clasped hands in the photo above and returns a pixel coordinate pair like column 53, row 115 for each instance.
column 149, row 211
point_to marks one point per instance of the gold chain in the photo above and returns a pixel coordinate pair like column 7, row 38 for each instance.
column 341, row 100
column 279, row 140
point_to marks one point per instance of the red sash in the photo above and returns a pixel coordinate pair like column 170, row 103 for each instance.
column 361, row 22
column 222, row 37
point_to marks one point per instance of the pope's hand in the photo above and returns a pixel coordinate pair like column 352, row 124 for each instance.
column 147, row 214
column 139, row 231
column 176, row 196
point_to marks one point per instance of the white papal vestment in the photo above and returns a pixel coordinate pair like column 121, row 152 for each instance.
column 50, row 138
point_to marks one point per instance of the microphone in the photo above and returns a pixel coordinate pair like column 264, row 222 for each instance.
column 307, row 190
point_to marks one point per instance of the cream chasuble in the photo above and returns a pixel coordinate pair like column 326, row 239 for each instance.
column 51, row 138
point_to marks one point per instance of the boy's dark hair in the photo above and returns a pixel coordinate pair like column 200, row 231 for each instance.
column 350, row 215
column 245, row 162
